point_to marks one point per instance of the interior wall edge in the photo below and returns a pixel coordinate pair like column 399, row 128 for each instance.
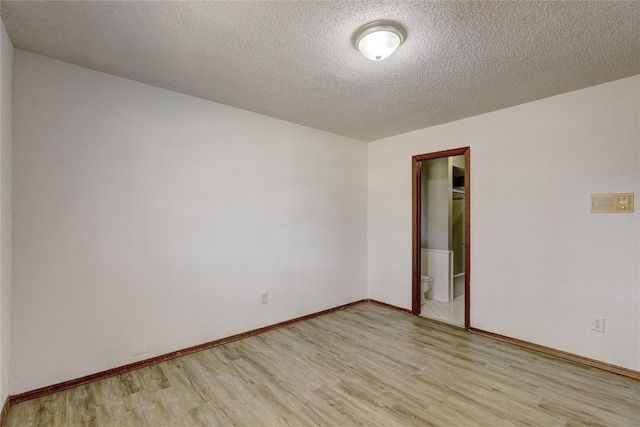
column 6, row 208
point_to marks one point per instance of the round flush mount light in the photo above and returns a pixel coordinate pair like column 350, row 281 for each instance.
column 379, row 39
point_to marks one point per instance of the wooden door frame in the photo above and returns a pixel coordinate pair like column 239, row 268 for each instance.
column 417, row 222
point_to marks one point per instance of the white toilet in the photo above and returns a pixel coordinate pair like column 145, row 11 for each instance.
column 425, row 285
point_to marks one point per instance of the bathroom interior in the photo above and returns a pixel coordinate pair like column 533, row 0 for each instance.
column 442, row 240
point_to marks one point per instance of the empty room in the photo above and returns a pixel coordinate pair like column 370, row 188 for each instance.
column 319, row 213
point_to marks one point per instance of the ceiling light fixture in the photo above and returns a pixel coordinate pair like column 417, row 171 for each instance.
column 379, row 39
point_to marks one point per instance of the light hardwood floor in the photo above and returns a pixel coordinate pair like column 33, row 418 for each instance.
column 365, row 365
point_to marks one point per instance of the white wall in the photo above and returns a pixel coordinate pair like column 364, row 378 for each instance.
column 541, row 264
column 147, row 221
column 435, row 198
column 6, row 138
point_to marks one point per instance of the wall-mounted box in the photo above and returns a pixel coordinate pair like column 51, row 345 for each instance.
column 612, row 203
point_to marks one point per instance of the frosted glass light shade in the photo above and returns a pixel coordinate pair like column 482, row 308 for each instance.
column 379, row 45
column 378, row 40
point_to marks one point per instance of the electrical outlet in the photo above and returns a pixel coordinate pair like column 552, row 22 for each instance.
column 264, row 298
column 597, row 324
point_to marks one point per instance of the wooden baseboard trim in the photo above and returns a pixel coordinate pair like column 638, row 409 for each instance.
column 393, row 307
column 562, row 354
column 151, row 361
column 147, row 362
column 5, row 409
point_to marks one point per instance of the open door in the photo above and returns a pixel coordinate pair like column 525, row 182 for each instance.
column 447, row 175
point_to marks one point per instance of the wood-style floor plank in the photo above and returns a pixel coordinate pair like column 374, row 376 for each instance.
column 365, row 365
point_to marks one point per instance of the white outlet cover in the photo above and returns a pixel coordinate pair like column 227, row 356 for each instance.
column 597, row 324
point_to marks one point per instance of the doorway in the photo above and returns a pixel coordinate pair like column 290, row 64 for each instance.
column 441, row 236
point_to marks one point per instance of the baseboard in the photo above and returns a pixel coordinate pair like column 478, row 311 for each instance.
column 562, row 354
column 143, row 363
column 5, row 409
column 147, row 362
column 393, row 307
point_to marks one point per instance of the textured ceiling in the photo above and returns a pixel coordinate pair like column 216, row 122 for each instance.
column 295, row 61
